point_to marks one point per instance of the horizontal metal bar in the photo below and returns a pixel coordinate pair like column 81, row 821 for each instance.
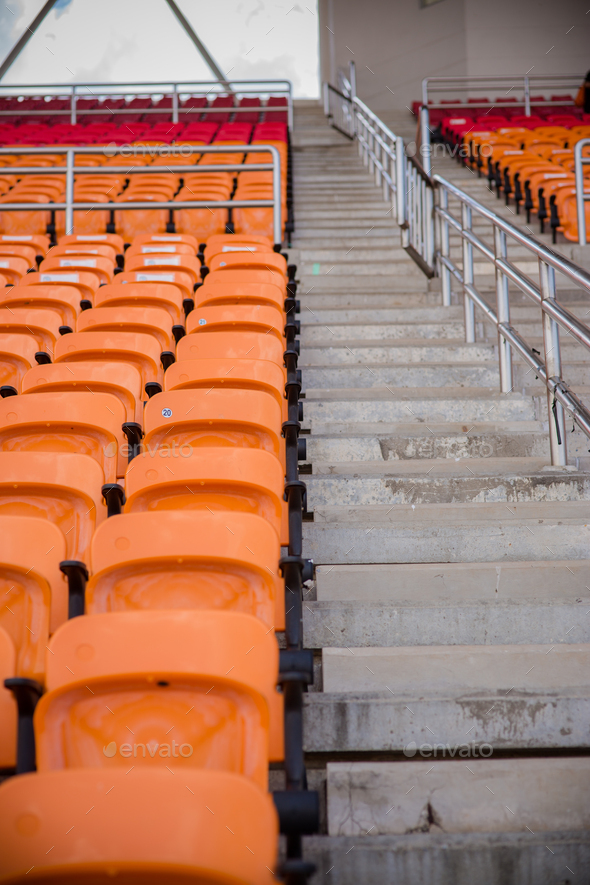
column 286, row 85
column 147, row 204
column 143, row 150
column 65, row 112
column 138, row 170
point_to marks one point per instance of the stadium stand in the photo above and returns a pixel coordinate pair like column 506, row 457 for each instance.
column 149, row 448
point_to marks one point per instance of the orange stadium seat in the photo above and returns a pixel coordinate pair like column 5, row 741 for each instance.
column 60, row 486
column 122, row 380
column 186, row 560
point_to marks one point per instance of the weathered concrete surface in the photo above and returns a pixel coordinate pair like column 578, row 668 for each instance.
column 458, row 797
column 454, row 670
column 461, row 582
column 353, row 624
column 372, row 722
column 410, row 442
column 432, row 858
column 449, row 532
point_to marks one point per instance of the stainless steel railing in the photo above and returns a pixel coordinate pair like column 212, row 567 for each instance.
column 404, row 182
column 421, row 206
column 75, row 91
column 553, row 315
column 582, row 196
column 70, row 169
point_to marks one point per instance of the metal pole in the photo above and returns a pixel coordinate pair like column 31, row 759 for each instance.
column 73, row 102
column 581, row 208
column 22, row 42
column 400, row 181
column 352, row 77
column 175, row 104
column 443, row 202
column 527, row 97
column 326, row 99
column 70, row 192
column 425, row 148
column 200, row 46
column 553, row 367
column 277, row 226
column 503, row 308
column 290, row 108
column 469, row 306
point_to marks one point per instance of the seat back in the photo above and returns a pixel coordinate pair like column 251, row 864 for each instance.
column 243, row 480
column 187, row 560
column 215, row 417
column 82, row 422
column 235, row 345
column 122, row 380
column 189, row 689
column 33, row 589
column 61, row 487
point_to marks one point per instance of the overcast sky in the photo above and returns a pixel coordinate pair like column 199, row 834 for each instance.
column 130, row 40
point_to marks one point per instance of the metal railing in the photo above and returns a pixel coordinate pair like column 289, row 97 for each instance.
column 70, row 170
column 522, row 85
column 75, row 91
column 420, row 201
column 404, row 182
column 553, row 314
column 582, row 196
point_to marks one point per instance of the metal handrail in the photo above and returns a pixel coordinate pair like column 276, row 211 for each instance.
column 167, row 87
column 554, row 315
column 70, row 169
column 581, row 195
column 424, row 199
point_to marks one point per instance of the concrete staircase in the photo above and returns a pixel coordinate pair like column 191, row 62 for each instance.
column 452, row 603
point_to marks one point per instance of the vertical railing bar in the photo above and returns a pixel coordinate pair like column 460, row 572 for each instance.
column 469, row 307
column 70, row 191
column 555, row 413
column 503, row 312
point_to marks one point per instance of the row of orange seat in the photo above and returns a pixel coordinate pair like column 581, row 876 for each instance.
column 534, row 167
column 148, row 479
column 101, row 187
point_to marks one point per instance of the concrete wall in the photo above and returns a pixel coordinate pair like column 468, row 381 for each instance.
column 395, row 43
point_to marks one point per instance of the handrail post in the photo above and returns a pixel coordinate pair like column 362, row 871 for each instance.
column 580, row 207
column 277, row 226
column 400, row 185
column 503, row 309
column 469, row 306
column 527, row 97
column 326, row 99
column 443, row 202
column 352, row 77
column 425, row 147
column 69, row 191
column 175, row 103
column 73, row 101
column 290, row 108
column 555, row 411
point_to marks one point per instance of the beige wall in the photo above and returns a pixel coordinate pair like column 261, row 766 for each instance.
column 401, row 42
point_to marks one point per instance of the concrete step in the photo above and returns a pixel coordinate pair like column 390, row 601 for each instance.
column 443, row 482
column 458, row 796
column 403, row 375
column 324, row 407
column 317, row 334
column 425, row 858
column 403, row 351
column 466, row 532
column 452, row 671
column 415, row 443
column 409, row 314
